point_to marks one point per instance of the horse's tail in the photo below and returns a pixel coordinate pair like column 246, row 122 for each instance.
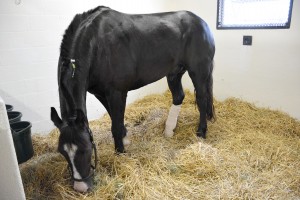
column 210, row 109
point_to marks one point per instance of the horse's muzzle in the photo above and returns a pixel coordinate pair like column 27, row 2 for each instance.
column 83, row 186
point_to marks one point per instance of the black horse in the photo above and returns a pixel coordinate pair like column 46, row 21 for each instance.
column 109, row 53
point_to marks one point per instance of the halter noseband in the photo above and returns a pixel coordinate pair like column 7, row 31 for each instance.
column 92, row 166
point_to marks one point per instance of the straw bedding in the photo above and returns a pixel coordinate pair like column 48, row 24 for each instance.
column 249, row 153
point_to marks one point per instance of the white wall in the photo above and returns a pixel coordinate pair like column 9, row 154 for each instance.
column 30, row 35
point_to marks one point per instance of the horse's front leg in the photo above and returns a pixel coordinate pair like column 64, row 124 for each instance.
column 117, row 102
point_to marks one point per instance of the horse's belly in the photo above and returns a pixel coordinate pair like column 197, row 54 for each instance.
column 141, row 83
column 152, row 73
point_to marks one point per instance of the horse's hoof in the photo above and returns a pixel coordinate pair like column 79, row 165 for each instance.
column 168, row 133
column 120, row 153
column 201, row 134
column 120, row 150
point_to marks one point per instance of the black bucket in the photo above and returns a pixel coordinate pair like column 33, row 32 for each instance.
column 9, row 107
column 14, row 116
column 21, row 132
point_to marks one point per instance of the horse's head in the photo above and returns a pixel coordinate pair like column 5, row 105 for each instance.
column 76, row 145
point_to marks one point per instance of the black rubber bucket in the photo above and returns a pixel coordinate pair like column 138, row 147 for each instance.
column 21, row 132
column 14, row 116
column 9, row 107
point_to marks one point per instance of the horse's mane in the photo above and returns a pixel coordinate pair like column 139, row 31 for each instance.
column 70, row 32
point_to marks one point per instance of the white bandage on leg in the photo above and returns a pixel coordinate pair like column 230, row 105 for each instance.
column 172, row 120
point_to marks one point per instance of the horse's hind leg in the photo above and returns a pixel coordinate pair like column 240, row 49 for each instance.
column 174, row 82
column 201, row 75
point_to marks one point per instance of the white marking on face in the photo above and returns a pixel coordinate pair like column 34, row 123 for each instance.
column 71, row 151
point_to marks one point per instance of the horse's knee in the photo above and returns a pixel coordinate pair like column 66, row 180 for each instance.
column 178, row 99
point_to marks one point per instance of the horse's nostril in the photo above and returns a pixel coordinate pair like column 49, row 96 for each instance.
column 81, row 186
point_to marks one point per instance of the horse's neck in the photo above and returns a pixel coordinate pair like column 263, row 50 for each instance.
column 72, row 89
column 68, row 108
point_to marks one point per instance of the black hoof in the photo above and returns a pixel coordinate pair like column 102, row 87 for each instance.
column 201, row 134
column 120, row 151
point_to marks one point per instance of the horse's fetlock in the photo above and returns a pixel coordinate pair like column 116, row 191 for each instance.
column 120, row 149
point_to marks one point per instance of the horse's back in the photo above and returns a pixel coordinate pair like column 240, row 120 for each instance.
column 130, row 51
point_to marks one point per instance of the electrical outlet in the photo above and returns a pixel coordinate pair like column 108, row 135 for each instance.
column 247, row 40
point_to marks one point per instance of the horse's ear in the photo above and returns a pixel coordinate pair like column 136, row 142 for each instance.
column 80, row 117
column 55, row 118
